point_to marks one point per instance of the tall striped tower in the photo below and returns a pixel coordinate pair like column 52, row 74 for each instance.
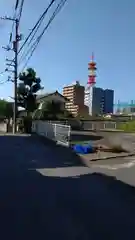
column 90, row 84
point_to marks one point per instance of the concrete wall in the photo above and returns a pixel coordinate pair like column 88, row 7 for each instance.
column 89, row 125
column 3, row 127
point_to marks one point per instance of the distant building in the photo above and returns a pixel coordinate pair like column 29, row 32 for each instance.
column 108, row 101
column 100, row 101
column 97, row 101
column 75, row 94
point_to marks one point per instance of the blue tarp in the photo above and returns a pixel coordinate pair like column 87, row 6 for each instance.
column 83, row 149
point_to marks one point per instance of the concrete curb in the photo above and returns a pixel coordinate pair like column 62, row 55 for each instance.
column 87, row 162
column 111, row 157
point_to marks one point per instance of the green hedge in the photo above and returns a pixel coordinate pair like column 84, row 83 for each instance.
column 127, row 127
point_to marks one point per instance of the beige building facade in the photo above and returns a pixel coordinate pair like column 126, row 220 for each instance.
column 75, row 94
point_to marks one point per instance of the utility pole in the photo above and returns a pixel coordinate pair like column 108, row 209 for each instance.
column 14, row 63
column 15, row 47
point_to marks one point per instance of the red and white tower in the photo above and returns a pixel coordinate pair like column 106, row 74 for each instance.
column 90, row 84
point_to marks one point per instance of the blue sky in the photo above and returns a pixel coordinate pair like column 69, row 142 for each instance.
column 105, row 27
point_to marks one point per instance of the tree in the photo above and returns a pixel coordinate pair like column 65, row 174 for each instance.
column 27, row 90
column 52, row 107
column 6, row 109
column 50, row 110
column 68, row 114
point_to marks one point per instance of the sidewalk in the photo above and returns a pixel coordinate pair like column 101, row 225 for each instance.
column 95, row 157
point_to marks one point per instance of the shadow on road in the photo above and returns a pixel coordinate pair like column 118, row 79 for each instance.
column 33, row 206
column 85, row 137
column 55, row 155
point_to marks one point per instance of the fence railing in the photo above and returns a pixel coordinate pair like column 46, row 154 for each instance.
column 99, row 125
column 56, row 132
column 88, row 125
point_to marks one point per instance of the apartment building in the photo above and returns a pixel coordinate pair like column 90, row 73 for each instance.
column 99, row 101
column 108, row 101
column 75, row 94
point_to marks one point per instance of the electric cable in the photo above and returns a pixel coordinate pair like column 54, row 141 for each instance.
column 35, row 26
column 35, row 44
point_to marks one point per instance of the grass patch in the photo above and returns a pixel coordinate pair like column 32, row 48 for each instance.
column 80, row 142
column 127, row 127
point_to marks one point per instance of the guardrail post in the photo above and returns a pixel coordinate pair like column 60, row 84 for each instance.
column 55, row 129
column 69, row 134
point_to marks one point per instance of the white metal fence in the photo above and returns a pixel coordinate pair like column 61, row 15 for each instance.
column 56, row 132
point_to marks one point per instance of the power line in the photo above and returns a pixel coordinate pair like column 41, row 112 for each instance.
column 35, row 44
column 16, row 5
column 32, row 37
column 13, row 24
column 14, row 63
column 25, row 54
column 21, row 8
column 35, row 26
column 11, row 34
column 36, row 30
column 14, row 17
column 57, row 10
column 34, row 48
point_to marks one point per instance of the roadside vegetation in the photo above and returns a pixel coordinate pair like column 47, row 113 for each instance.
column 6, row 109
column 127, row 126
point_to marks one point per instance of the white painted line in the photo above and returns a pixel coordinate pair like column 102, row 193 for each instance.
column 64, row 171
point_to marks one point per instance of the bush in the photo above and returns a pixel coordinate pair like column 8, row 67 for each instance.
column 21, row 126
column 127, row 127
column 117, row 149
column 25, row 124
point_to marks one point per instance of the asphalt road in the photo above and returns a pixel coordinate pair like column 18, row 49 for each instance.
column 74, row 203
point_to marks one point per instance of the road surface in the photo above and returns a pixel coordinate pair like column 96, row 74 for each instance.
column 45, row 196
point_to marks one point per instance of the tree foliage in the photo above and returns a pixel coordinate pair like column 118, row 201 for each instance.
column 52, row 107
column 6, row 109
column 27, row 89
column 127, row 126
column 51, row 110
